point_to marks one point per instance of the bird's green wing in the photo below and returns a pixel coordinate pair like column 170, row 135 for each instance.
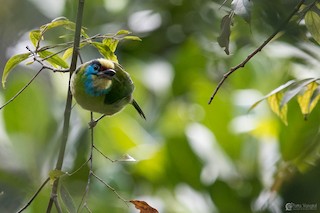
column 122, row 87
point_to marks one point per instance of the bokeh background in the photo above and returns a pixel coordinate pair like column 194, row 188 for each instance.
column 191, row 156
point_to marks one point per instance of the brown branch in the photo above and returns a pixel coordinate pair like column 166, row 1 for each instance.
column 250, row 56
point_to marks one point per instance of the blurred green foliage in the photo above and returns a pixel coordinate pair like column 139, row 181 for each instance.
column 191, row 156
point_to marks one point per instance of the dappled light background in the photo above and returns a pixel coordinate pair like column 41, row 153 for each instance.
column 191, row 156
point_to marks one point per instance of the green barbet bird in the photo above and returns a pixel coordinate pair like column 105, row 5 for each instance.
column 103, row 86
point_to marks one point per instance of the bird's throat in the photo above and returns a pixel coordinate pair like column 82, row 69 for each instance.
column 98, row 86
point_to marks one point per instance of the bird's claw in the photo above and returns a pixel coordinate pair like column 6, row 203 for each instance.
column 92, row 124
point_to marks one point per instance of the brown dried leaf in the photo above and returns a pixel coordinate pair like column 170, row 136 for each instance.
column 143, row 206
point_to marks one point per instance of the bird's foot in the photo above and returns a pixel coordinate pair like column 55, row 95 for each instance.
column 93, row 123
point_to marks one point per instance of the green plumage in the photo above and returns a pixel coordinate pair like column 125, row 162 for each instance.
column 103, row 86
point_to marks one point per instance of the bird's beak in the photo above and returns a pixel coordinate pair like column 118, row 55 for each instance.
column 108, row 73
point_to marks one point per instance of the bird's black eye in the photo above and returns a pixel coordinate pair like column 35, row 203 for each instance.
column 96, row 67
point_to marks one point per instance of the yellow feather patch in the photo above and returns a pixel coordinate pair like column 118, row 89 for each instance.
column 101, row 83
column 107, row 64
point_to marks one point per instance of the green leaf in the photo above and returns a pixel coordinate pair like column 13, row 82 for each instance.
column 123, row 32
column 111, row 43
column 67, row 53
column 278, row 89
column 35, row 37
column 312, row 20
column 294, row 89
column 54, row 59
column 11, row 63
column 67, row 199
column 225, row 32
column 134, row 38
column 105, row 51
column 274, row 102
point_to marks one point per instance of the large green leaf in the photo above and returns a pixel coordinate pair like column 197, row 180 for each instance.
column 11, row 63
column 54, row 59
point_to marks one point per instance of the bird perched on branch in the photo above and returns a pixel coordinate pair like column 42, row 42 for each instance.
column 103, row 86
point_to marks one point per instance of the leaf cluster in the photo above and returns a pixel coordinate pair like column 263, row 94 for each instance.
column 105, row 44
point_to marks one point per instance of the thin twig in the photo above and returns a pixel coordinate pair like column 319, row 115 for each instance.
column 103, row 154
column 34, row 196
column 111, row 188
column 243, row 63
column 90, row 160
column 23, row 89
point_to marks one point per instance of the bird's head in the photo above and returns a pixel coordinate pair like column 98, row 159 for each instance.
column 98, row 75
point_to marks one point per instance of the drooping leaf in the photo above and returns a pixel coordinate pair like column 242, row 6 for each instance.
column 312, row 20
column 54, row 59
column 143, row 206
column 35, row 37
column 55, row 174
column 278, row 89
column 67, row 199
column 105, row 51
column 294, row 89
column 11, row 63
column 274, row 103
column 308, row 100
column 225, row 31
column 242, row 8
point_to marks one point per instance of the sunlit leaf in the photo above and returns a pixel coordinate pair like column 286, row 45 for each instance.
column 105, row 51
column 308, row 100
column 312, row 20
column 294, row 89
column 278, row 89
column 111, row 43
column 35, row 37
column 67, row 53
column 67, row 199
column 54, row 59
column 11, row 63
column 123, row 32
column 225, row 32
column 274, row 102
column 242, row 8
column 55, row 174
column 134, row 38
column 143, row 206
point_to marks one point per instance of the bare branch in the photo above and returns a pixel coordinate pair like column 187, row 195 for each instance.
column 249, row 57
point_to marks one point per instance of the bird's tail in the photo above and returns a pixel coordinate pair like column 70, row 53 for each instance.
column 139, row 110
